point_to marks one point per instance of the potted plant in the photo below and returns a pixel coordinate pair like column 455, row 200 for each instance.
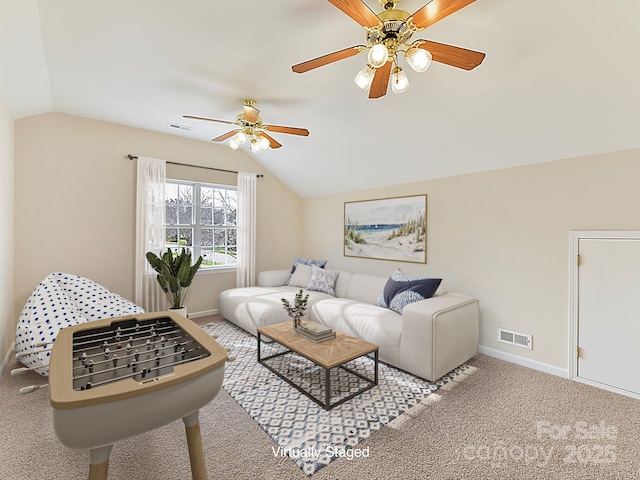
column 296, row 311
column 175, row 274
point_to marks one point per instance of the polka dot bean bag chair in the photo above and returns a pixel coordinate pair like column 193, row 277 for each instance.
column 59, row 301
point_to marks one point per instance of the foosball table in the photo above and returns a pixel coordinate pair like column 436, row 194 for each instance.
column 114, row 378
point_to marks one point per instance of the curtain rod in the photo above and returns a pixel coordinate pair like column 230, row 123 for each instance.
column 133, row 157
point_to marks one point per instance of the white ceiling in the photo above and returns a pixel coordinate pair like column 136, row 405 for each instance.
column 560, row 80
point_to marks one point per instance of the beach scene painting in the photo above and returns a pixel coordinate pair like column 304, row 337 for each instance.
column 387, row 229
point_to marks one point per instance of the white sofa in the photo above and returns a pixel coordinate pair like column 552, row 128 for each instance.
column 429, row 339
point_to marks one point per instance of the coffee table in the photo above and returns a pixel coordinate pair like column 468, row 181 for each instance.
column 330, row 354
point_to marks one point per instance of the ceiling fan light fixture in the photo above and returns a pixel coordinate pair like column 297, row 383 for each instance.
column 365, row 77
column 240, row 137
column 233, row 143
column 378, row 55
column 418, row 59
column 255, row 146
column 263, row 142
column 399, row 80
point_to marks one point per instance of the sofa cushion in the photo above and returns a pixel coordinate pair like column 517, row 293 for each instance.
column 322, row 280
column 363, row 320
column 401, row 290
column 365, row 288
column 254, row 307
column 274, row 278
column 342, row 284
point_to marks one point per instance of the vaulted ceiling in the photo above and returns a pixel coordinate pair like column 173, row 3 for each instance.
column 560, row 80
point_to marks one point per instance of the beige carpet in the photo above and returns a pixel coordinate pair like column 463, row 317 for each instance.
column 502, row 422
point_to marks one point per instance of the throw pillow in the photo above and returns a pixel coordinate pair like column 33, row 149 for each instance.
column 300, row 278
column 307, row 261
column 322, row 280
column 401, row 290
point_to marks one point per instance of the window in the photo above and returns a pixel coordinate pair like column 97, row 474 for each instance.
column 202, row 218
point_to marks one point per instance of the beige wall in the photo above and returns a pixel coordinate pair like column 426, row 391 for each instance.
column 75, row 203
column 503, row 237
column 7, row 323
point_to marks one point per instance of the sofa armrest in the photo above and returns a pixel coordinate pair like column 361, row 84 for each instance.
column 273, row 278
column 438, row 334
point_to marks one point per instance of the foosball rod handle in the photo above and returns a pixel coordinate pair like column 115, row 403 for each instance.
column 32, row 388
column 32, row 352
column 19, row 371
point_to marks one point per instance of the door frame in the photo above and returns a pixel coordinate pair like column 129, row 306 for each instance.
column 574, row 243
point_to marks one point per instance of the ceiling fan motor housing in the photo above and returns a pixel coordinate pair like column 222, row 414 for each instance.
column 243, row 122
column 394, row 26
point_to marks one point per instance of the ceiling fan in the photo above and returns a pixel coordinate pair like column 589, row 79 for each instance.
column 252, row 129
column 389, row 33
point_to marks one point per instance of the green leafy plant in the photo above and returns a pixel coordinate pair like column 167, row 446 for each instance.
column 299, row 306
column 175, row 273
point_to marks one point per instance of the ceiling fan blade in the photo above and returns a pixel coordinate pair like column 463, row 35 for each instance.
column 273, row 143
column 224, row 136
column 358, row 11
column 435, row 11
column 251, row 114
column 328, row 58
column 292, row 130
column 208, row 119
column 454, row 56
column 380, row 81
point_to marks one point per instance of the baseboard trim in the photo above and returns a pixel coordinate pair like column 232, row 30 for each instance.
column 7, row 357
column 525, row 362
column 204, row 313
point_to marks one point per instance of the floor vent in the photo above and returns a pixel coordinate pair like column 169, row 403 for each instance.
column 515, row 338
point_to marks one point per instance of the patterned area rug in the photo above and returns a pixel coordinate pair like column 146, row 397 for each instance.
column 302, row 430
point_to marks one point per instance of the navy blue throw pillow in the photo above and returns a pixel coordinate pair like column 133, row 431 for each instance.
column 401, row 290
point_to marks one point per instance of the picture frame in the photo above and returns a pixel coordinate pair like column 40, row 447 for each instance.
column 387, row 229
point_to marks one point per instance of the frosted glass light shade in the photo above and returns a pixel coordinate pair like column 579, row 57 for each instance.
column 263, row 142
column 255, row 146
column 418, row 58
column 233, row 143
column 365, row 77
column 378, row 55
column 399, row 80
column 240, row 137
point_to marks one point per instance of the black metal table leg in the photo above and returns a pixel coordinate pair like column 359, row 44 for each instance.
column 327, row 382
column 327, row 405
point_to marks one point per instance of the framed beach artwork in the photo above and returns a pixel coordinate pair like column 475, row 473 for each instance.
column 387, row 229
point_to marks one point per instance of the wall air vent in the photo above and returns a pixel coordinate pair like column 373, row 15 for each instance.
column 514, row 338
column 179, row 127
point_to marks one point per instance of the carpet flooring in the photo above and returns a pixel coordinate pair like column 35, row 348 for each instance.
column 503, row 422
column 306, row 433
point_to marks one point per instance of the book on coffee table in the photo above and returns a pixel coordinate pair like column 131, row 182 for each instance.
column 313, row 337
column 314, row 328
column 315, row 331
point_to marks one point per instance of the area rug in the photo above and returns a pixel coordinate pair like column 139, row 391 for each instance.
column 302, row 430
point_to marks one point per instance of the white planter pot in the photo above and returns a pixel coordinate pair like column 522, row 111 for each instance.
column 182, row 311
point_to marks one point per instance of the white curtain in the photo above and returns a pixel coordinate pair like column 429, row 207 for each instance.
column 150, row 231
column 246, row 225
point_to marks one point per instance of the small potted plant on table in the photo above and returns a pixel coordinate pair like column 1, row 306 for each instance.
column 297, row 309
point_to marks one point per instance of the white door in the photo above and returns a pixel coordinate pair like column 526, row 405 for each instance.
column 608, row 326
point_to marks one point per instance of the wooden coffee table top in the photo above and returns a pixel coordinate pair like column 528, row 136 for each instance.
column 327, row 354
